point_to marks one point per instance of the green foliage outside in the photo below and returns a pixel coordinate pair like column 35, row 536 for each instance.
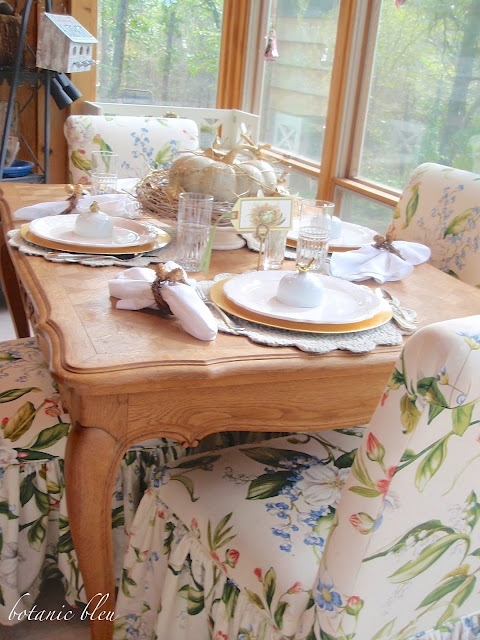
column 167, row 49
column 424, row 103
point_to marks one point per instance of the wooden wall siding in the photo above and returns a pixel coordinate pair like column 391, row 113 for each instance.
column 85, row 11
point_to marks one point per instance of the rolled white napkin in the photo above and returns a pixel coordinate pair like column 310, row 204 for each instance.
column 379, row 264
column 133, row 289
column 115, row 204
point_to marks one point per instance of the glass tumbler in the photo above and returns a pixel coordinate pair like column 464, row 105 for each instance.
column 314, row 230
column 274, row 248
column 194, row 220
column 104, row 173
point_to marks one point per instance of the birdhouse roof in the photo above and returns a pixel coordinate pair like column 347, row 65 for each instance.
column 71, row 28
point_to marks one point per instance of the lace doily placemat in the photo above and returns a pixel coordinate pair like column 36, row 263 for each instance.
column 358, row 342
column 168, row 252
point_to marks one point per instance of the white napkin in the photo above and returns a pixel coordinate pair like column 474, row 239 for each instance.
column 115, row 204
column 379, row 264
column 133, row 288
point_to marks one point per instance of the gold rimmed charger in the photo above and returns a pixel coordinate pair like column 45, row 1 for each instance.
column 162, row 240
column 218, row 296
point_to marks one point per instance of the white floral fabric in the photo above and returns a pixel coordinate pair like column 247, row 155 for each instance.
column 440, row 207
column 35, row 540
column 359, row 534
column 141, row 142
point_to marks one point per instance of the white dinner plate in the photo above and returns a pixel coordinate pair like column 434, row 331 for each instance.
column 60, row 229
column 343, row 302
column 353, row 236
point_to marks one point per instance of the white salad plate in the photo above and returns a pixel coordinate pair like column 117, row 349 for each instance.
column 343, row 302
column 353, row 236
column 60, row 229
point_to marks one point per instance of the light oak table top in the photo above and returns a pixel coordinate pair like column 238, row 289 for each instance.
column 127, row 376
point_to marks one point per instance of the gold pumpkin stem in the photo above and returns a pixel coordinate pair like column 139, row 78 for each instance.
column 306, row 267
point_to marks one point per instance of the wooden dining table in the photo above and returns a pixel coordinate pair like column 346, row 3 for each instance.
column 127, row 376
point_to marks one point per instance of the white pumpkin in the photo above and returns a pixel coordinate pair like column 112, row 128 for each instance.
column 222, row 177
column 177, row 169
column 267, row 180
column 249, row 179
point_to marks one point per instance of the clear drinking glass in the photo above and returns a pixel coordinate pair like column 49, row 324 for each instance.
column 314, row 233
column 193, row 227
column 274, row 248
column 104, row 173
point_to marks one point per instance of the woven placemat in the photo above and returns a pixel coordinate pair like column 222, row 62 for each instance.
column 168, row 252
column 358, row 342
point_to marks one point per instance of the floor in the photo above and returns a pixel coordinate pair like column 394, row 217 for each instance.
column 50, row 600
column 7, row 332
column 51, row 597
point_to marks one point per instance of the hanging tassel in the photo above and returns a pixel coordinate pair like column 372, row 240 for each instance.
column 271, row 51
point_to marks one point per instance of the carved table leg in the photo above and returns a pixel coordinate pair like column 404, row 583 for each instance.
column 91, row 461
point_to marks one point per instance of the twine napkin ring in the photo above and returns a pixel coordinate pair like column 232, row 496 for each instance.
column 165, row 277
column 385, row 243
column 74, row 191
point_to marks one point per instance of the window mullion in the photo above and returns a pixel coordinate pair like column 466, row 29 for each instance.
column 233, row 53
column 348, row 68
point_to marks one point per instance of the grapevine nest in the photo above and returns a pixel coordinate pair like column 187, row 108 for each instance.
column 157, row 200
column 9, row 36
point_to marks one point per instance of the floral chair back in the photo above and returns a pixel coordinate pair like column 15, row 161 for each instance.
column 352, row 534
column 440, row 207
column 403, row 554
column 142, row 142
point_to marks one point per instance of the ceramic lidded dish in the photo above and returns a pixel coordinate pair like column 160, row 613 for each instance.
column 301, row 288
column 94, row 223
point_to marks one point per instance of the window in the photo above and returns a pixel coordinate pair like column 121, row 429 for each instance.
column 423, row 100
column 296, row 84
column 404, row 89
column 153, row 52
column 362, row 91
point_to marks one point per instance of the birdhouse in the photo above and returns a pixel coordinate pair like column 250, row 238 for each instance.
column 64, row 45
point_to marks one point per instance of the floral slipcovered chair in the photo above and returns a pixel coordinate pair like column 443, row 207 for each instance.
column 35, row 540
column 440, row 207
column 141, row 142
column 354, row 534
